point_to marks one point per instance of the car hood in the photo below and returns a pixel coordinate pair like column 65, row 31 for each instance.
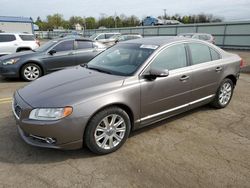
column 68, row 87
column 19, row 55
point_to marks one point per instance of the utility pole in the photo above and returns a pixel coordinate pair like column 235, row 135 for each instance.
column 165, row 13
column 115, row 20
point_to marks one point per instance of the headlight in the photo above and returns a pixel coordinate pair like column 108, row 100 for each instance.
column 50, row 113
column 11, row 61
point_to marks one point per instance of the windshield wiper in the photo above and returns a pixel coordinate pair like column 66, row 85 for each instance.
column 97, row 69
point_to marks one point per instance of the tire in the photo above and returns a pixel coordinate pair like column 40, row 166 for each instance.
column 224, row 94
column 30, row 72
column 102, row 136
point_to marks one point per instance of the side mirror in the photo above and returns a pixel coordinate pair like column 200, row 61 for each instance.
column 51, row 52
column 152, row 74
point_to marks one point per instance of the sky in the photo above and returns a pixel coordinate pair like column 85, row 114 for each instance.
column 228, row 9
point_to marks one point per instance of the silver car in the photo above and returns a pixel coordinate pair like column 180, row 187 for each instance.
column 129, row 86
column 202, row 36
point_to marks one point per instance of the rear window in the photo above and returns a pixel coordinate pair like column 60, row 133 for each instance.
column 204, row 37
column 64, row 46
column 27, row 37
column 200, row 53
column 84, row 44
column 215, row 55
column 7, row 38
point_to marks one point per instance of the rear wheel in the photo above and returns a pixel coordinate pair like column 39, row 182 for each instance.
column 107, row 131
column 224, row 94
column 31, row 72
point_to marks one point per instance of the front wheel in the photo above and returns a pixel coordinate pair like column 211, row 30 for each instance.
column 224, row 94
column 107, row 131
column 31, row 72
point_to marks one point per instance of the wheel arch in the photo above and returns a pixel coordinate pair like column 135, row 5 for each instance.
column 233, row 78
column 124, row 107
column 23, row 48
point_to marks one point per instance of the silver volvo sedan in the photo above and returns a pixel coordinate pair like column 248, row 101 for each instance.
column 128, row 86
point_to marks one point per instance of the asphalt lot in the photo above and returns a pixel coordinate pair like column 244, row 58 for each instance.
column 201, row 148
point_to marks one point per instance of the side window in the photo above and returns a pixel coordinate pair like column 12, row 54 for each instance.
column 64, row 46
column 84, row 45
column 215, row 55
column 107, row 36
column 27, row 37
column 200, row 53
column 171, row 58
column 203, row 37
column 7, row 38
column 196, row 36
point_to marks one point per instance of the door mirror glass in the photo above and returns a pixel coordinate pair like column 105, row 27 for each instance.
column 153, row 73
column 51, row 52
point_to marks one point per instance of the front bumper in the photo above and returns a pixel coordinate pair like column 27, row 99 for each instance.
column 8, row 71
column 66, row 133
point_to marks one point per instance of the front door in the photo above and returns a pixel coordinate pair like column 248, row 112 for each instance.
column 169, row 95
column 64, row 56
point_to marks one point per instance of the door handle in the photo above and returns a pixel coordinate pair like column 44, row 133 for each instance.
column 218, row 69
column 184, row 77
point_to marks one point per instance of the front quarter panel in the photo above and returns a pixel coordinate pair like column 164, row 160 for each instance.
column 128, row 95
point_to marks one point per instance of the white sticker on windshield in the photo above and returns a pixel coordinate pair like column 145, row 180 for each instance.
column 149, row 46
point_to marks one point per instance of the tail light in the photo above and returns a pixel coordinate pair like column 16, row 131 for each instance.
column 242, row 63
column 37, row 42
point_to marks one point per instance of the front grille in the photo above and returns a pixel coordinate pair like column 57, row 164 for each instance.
column 16, row 109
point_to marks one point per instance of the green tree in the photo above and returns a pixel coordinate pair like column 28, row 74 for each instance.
column 90, row 23
column 76, row 20
column 55, row 21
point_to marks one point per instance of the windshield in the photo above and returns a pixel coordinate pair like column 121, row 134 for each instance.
column 46, row 46
column 93, row 36
column 115, row 37
column 122, row 59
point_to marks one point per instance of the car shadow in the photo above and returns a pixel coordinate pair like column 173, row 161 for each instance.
column 8, row 80
column 16, row 151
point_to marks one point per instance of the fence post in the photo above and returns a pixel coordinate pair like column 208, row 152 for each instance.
column 224, row 35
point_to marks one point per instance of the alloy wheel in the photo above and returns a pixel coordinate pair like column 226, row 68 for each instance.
column 110, row 131
column 225, row 93
column 31, row 72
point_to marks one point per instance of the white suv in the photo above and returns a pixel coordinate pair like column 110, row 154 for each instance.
column 12, row 42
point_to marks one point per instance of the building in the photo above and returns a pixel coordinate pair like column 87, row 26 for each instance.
column 16, row 24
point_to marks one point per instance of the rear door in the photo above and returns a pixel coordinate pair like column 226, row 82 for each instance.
column 169, row 95
column 85, row 51
column 207, row 70
column 64, row 56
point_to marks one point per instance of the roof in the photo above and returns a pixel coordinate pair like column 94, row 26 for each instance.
column 15, row 19
column 159, row 41
column 14, row 33
column 194, row 33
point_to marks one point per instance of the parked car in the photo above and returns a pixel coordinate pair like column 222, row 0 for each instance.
column 102, row 37
column 13, row 42
column 151, row 21
column 201, row 36
column 122, row 37
column 130, row 85
column 53, row 55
